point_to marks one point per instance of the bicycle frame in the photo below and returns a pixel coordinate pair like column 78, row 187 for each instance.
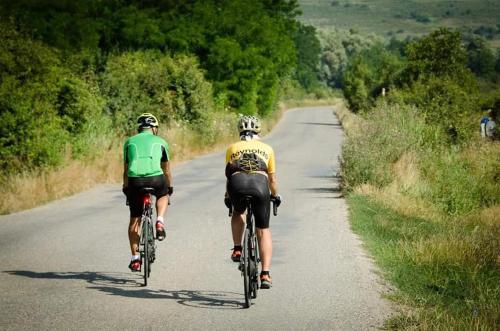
column 250, row 257
column 147, row 245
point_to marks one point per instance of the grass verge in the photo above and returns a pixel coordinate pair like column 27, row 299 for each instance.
column 429, row 214
column 446, row 273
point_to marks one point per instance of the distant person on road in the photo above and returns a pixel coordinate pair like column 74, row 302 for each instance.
column 146, row 164
column 259, row 181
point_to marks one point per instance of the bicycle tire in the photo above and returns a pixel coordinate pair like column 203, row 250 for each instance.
column 145, row 265
column 246, row 269
column 254, row 267
column 151, row 244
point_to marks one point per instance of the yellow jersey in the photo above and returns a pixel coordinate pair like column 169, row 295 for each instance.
column 260, row 149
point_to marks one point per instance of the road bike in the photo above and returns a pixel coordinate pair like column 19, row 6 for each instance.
column 147, row 244
column 250, row 257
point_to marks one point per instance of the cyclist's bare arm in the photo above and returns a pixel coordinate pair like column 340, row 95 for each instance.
column 165, row 166
column 273, row 184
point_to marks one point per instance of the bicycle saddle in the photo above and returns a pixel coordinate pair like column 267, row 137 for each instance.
column 147, row 190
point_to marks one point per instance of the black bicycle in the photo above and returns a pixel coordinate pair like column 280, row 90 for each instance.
column 250, row 258
column 147, row 244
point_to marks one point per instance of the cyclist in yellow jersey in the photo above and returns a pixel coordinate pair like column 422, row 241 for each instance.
column 251, row 170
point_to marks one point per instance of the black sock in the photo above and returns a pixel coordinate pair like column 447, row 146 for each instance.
column 264, row 273
column 237, row 248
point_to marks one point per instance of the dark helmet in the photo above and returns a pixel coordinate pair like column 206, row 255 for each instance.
column 147, row 120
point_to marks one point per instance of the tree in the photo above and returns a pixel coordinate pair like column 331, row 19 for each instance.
column 337, row 47
column 480, row 58
column 368, row 73
column 438, row 54
column 45, row 108
column 150, row 81
column 308, row 52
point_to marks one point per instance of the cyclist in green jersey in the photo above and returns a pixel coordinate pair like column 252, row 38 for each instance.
column 146, row 164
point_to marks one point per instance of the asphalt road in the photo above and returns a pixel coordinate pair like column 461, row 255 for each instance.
column 64, row 265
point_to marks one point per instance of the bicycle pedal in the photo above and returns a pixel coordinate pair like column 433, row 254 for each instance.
column 240, row 267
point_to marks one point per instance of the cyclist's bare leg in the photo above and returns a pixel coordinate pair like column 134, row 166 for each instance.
column 237, row 227
column 133, row 234
column 265, row 247
column 161, row 205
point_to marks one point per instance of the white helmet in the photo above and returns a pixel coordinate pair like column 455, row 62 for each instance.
column 249, row 123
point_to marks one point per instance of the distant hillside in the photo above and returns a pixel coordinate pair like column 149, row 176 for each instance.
column 402, row 18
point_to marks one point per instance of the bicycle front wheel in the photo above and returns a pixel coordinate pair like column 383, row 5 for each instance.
column 246, row 269
column 254, row 266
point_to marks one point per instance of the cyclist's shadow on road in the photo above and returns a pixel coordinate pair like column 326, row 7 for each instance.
column 124, row 284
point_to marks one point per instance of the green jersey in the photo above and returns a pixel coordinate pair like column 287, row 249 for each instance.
column 144, row 153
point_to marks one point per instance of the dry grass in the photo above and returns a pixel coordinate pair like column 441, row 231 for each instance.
column 185, row 144
column 24, row 191
column 404, row 193
column 404, row 205
column 351, row 123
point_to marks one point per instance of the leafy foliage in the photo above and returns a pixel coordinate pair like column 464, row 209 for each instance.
column 44, row 108
column 438, row 54
column 480, row 58
column 70, row 68
column 308, row 52
column 338, row 46
column 367, row 74
column 431, row 74
column 150, row 81
column 246, row 47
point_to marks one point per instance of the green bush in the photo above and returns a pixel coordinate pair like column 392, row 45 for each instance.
column 45, row 108
column 150, row 81
column 453, row 189
column 445, row 102
column 367, row 74
column 438, row 54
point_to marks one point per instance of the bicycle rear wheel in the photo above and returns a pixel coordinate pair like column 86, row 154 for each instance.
column 151, row 247
column 146, row 254
column 246, row 269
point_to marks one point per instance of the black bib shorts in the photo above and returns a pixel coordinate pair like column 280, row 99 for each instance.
column 135, row 203
column 253, row 184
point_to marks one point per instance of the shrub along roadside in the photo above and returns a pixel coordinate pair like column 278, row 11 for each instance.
column 429, row 213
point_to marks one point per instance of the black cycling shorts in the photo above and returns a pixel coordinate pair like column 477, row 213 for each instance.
column 257, row 186
column 134, row 196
